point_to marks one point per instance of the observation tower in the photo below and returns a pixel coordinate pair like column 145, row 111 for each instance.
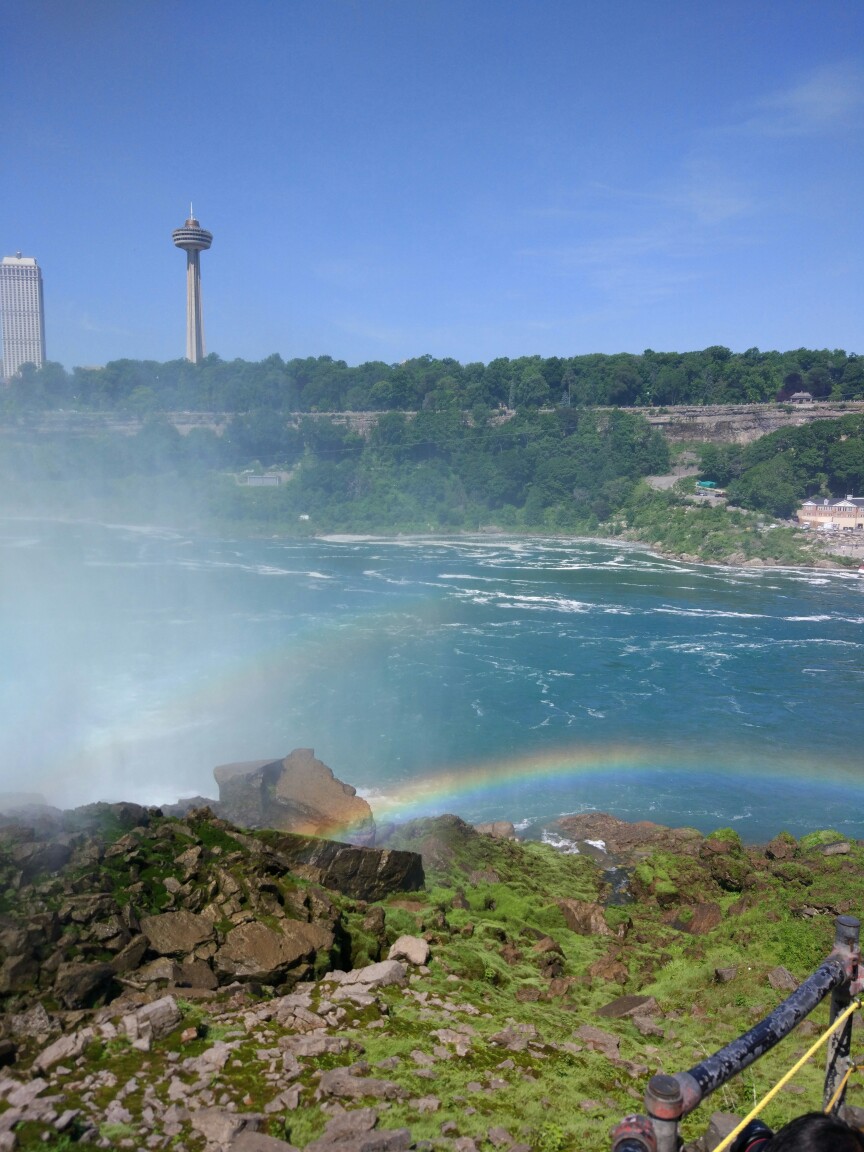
column 192, row 238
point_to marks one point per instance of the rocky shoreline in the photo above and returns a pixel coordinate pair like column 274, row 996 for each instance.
column 181, row 982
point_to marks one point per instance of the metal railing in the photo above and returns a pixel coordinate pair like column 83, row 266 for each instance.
column 668, row 1098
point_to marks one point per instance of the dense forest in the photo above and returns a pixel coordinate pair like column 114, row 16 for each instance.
column 443, row 456
column 558, row 470
column 322, row 384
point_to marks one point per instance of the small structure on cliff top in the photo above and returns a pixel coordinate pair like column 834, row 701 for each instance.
column 298, row 794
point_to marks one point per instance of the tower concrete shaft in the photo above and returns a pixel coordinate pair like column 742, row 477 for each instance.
column 193, row 239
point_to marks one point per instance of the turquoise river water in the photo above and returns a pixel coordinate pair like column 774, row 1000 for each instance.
column 499, row 678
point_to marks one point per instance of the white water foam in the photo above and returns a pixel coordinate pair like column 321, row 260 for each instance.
column 559, row 843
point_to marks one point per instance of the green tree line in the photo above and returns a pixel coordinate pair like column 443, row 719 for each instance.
column 321, row 384
column 559, row 470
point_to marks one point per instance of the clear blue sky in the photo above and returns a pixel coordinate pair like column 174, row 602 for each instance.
column 468, row 178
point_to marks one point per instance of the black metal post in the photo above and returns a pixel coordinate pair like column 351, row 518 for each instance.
column 847, row 930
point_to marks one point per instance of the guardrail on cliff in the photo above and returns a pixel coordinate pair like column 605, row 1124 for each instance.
column 668, row 1098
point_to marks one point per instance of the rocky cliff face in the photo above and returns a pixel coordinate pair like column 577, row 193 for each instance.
column 117, row 896
column 298, row 794
column 740, row 423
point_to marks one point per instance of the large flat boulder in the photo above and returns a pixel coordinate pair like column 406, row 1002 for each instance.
column 298, row 794
column 176, row 933
column 255, row 952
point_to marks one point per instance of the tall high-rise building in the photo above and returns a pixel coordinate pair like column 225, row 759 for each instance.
column 192, row 238
column 22, row 313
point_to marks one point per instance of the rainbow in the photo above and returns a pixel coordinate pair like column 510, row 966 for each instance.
column 477, row 785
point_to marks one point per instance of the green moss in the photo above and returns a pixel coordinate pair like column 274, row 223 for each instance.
column 819, row 839
column 726, row 836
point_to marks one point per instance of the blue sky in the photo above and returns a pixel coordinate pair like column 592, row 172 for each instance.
column 387, row 178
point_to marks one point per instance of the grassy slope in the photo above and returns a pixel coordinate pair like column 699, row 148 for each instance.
column 548, row 1096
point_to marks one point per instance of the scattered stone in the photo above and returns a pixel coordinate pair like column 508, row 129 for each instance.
column 647, row 1026
column 255, row 952
column 414, row 949
column 341, row 1083
column 719, row 1127
column 598, row 1040
column 426, row 1103
column 725, row 975
column 499, row 1137
column 66, row 1048
column 782, row 847
column 697, row 920
column 841, row 848
column 528, row 994
column 628, row 1006
column 782, row 980
column 220, row 1127
column 81, row 985
column 177, row 933
column 584, row 918
column 153, row 1020
column 609, row 968
column 249, row 1141
column 380, row 975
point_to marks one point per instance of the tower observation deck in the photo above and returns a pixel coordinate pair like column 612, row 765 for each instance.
column 192, row 238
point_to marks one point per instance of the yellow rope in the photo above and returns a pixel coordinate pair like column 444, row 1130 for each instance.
column 769, row 1096
column 829, row 1107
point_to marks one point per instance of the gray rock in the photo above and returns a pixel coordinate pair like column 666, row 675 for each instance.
column 499, row 1137
column 34, row 1022
column 498, row 829
column 315, row 1045
column 286, row 1101
column 81, row 985
column 426, row 1104
column 196, row 974
column 210, row 1061
column 719, row 1127
column 247, row 1141
column 414, row 949
column 256, row 952
column 152, row 1020
column 130, row 957
column 725, row 975
column 341, row 1083
column 23, row 1095
column 220, row 1127
column 782, row 980
column 380, row 975
column 627, row 1006
column 584, row 918
column 66, row 1048
column 18, row 973
column 176, row 933
column 600, row 1041
column 298, row 794
column 381, row 1140
column 163, row 968
column 347, row 1125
